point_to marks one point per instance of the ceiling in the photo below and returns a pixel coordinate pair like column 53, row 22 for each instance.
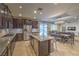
column 51, row 11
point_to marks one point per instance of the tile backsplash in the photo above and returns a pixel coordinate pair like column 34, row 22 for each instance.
column 3, row 32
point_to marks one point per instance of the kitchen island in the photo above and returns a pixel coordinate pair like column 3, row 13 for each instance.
column 41, row 45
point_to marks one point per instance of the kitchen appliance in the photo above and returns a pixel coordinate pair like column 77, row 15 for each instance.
column 27, row 31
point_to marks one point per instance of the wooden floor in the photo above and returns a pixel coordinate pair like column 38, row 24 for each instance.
column 23, row 48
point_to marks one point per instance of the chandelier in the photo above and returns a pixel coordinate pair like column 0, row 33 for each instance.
column 37, row 12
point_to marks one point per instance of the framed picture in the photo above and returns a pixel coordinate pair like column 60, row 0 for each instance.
column 71, row 28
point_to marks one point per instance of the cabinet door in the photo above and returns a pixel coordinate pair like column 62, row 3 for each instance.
column 14, row 23
column 19, row 37
column 34, row 24
column 0, row 21
column 20, row 23
column 17, row 23
column 43, row 48
column 9, row 50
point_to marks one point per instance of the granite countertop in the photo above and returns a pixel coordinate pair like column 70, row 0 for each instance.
column 4, row 42
column 42, row 38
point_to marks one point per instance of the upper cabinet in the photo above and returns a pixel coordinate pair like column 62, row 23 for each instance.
column 17, row 23
column 27, row 22
column 34, row 24
column 5, row 17
column 31, row 22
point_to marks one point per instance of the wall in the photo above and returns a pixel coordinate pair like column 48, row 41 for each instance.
column 3, row 32
column 59, row 27
column 76, row 24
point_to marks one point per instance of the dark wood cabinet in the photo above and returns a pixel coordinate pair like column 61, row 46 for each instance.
column 41, row 48
column 1, row 21
column 11, row 46
column 17, row 23
column 20, row 23
column 14, row 23
column 19, row 37
column 5, row 16
column 34, row 24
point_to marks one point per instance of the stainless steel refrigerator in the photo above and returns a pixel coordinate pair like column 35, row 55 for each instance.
column 27, row 31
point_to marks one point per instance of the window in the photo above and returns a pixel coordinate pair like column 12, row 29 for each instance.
column 43, row 29
column 53, row 27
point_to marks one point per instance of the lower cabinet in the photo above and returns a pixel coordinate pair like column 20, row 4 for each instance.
column 19, row 37
column 44, row 48
column 11, row 47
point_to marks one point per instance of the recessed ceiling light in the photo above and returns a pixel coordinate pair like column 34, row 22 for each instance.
column 20, row 14
column 2, row 11
column 35, row 11
column 20, row 7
